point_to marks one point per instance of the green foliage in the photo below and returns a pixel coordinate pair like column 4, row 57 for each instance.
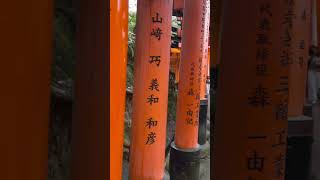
column 131, row 34
column 131, row 47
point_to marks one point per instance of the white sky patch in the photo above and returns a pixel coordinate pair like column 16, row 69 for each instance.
column 132, row 5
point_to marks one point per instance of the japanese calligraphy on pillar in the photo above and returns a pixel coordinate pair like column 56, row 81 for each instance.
column 192, row 110
column 279, row 134
column 269, row 93
column 188, row 101
column 298, row 67
column 153, row 87
column 150, row 94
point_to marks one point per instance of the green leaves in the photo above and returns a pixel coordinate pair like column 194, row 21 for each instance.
column 131, row 47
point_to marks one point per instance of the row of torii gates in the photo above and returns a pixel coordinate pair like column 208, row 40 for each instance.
column 150, row 94
column 263, row 48
column 262, row 45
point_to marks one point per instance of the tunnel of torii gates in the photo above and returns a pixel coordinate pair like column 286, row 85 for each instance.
column 261, row 53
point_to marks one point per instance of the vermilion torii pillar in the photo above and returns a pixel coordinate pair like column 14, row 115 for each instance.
column 26, row 57
column 251, row 124
column 89, row 125
column 185, row 149
column 190, row 76
column 299, row 62
column 150, row 98
column 118, row 63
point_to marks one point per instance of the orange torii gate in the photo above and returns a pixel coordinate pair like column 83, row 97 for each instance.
column 184, row 160
column 118, row 63
column 150, row 98
column 26, row 56
column 251, row 123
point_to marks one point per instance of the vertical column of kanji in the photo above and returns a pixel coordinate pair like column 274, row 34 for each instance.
column 283, row 48
column 190, row 75
column 148, row 136
column 118, row 59
column 298, row 64
column 204, row 74
column 26, row 57
column 253, row 91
